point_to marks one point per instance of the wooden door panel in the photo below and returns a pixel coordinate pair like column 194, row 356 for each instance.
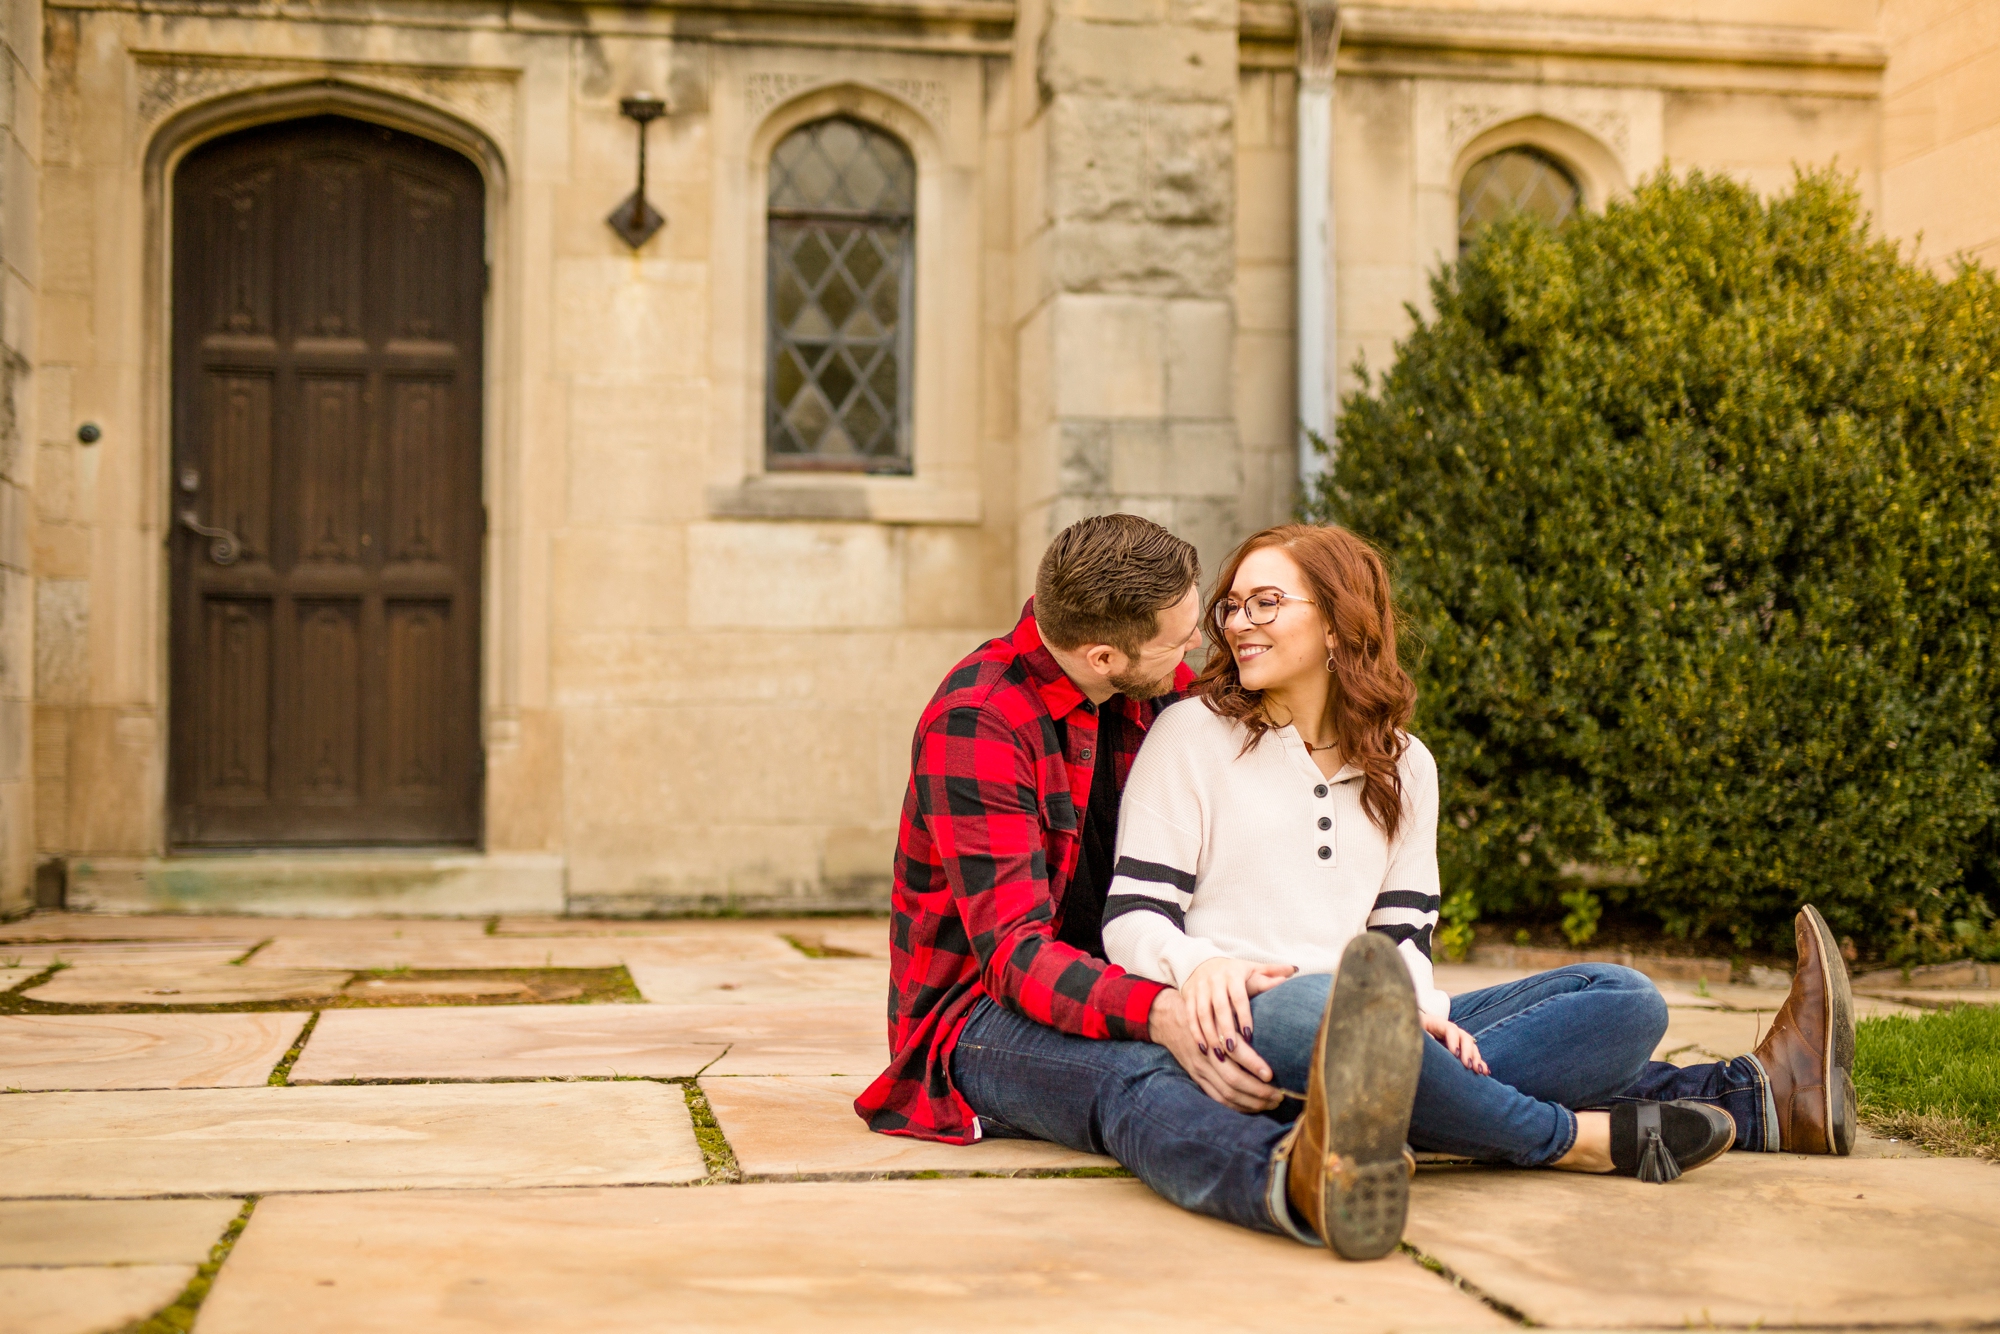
column 236, row 750
column 332, row 435
column 422, row 224
column 329, row 230
column 418, row 531
column 418, row 670
column 329, row 280
column 238, row 480
column 325, row 745
column 237, row 218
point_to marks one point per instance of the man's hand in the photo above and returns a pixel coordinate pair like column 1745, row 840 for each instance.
column 1215, row 999
column 1237, row 1079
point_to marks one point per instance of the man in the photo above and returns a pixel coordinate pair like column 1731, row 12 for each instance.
column 1005, row 1021
column 999, row 1004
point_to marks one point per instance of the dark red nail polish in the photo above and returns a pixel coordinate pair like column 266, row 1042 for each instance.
column 1232, row 1044
column 1202, row 1047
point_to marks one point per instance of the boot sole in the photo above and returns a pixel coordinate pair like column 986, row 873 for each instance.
column 1839, row 1072
column 1369, row 1067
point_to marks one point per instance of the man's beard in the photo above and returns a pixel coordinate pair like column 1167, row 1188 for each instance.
column 1134, row 686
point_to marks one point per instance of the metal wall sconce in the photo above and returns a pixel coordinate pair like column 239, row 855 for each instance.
column 635, row 220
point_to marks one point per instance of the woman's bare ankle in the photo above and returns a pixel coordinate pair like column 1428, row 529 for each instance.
column 1592, row 1150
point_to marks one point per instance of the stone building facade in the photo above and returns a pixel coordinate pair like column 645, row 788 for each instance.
column 387, row 532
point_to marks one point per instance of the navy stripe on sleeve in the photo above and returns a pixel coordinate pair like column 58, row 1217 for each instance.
column 1117, row 905
column 1133, row 868
column 1399, row 933
column 1406, row 898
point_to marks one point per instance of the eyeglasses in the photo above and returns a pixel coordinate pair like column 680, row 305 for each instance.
column 1259, row 609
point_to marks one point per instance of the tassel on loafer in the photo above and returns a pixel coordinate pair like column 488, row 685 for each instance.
column 1658, row 1141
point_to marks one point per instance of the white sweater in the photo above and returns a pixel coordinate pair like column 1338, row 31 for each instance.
column 1262, row 857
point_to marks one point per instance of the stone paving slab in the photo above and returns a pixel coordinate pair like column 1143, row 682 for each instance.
column 111, row 1232
column 1714, row 1034
column 1458, row 978
column 970, row 1256
column 184, row 984
column 823, row 1040
column 380, row 987
column 806, row 1126
column 792, row 982
column 242, row 1141
column 39, row 956
column 143, row 1051
column 506, row 1042
column 1776, row 1239
column 14, row 977
column 68, row 926
column 720, row 931
column 704, row 947
column 191, row 926
column 86, row 1299
column 386, row 952
column 867, row 938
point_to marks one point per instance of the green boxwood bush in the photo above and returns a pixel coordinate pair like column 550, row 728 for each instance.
column 1694, row 508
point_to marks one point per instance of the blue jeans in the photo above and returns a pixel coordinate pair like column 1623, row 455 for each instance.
column 1572, row 1038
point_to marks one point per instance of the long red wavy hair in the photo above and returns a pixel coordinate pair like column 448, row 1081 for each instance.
column 1372, row 696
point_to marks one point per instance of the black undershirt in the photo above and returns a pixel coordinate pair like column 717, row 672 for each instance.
column 1083, row 901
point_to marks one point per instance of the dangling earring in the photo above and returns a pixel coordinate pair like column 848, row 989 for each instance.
column 1329, row 664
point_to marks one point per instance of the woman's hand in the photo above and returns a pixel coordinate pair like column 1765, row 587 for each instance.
column 1215, row 1000
column 1458, row 1042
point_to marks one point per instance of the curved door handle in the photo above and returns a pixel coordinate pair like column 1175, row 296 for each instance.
column 224, row 546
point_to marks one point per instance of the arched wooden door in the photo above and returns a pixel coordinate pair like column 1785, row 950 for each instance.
column 328, row 294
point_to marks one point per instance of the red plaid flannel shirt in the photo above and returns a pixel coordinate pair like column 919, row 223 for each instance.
column 1000, row 776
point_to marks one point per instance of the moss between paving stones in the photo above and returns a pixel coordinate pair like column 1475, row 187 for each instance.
column 1933, row 1079
column 715, row 1150
column 820, row 949
column 591, row 986
column 178, row 1317
column 281, row 1073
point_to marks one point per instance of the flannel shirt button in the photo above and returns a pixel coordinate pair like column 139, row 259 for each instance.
column 1325, row 823
column 1324, row 852
column 1086, row 754
column 1320, row 791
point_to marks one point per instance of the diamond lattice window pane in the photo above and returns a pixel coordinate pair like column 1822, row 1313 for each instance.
column 843, row 203
column 1523, row 180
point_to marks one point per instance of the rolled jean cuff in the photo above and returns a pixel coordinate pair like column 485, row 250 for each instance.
column 1277, row 1201
column 1567, row 1119
column 1767, row 1105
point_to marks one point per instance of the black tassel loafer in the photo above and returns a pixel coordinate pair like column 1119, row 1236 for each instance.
column 1657, row 1141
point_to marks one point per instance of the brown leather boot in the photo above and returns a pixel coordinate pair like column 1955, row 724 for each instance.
column 1347, row 1172
column 1809, row 1052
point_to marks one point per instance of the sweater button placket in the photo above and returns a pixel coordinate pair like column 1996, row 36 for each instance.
column 1320, row 791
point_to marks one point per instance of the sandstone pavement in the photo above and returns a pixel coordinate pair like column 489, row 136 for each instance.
column 692, row 1160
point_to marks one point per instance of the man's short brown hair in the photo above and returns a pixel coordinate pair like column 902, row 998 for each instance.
column 1104, row 580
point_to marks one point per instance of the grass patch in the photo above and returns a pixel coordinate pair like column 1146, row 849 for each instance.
column 715, row 1150
column 178, row 1318
column 1933, row 1079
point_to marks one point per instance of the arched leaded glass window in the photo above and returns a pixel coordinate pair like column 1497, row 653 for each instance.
column 841, row 278
column 1522, row 179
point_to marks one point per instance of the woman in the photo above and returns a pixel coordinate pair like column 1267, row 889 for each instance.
column 1283, row 811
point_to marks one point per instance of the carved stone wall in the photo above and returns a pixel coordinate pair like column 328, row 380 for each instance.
column 1126, row 345
column 20, row 202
